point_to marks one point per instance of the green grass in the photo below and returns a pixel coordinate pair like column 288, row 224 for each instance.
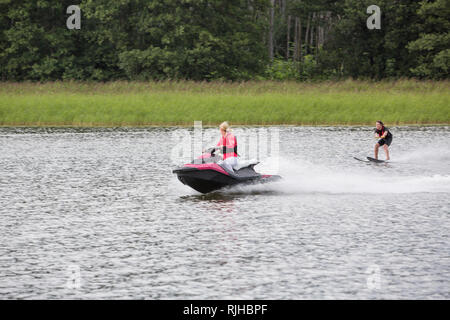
column 250, row 103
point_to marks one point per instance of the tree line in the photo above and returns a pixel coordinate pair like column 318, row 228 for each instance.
column 223, row 39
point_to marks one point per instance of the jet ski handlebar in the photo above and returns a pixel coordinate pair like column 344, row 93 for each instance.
column 212, row 151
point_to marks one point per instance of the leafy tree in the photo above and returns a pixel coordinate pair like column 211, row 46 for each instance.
column 133, row 39
column 223, row 39
column 432, row 47
column 378, row 53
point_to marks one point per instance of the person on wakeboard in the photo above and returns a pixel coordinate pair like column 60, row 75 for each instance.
column 385, row 138
column 228, row 146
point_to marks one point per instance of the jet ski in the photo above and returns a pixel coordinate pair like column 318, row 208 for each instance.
column 205, row 174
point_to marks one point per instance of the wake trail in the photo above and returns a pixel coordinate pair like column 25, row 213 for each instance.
column 306, row 177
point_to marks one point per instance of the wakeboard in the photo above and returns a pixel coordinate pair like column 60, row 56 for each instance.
column 360, row 159
column 375, row 160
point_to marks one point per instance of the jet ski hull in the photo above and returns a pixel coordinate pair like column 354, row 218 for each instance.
column 208, row 179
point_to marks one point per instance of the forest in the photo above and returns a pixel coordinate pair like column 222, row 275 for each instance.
column 224, row 40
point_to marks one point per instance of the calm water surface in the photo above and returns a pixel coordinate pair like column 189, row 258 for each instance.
column 97, row 213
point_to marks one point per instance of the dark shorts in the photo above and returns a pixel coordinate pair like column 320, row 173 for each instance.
column 387, row 141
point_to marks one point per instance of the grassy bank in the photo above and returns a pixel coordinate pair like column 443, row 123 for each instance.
column 249, row 103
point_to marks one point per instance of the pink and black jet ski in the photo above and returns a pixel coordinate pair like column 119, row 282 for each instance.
column 204, row 174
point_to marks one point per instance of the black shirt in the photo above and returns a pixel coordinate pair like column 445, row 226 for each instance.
column 382, row 131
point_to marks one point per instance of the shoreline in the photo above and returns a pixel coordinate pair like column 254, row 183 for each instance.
column 167, row 126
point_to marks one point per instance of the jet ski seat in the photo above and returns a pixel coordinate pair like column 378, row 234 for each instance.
column 245, row 163
column 244, row 169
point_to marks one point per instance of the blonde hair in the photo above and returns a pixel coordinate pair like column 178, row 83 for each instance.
column 225, row 126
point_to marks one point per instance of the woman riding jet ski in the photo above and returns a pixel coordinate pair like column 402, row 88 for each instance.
column 228, row 145
column 211, row 171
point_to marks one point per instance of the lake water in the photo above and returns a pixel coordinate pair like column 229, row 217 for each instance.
column 97, row 213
